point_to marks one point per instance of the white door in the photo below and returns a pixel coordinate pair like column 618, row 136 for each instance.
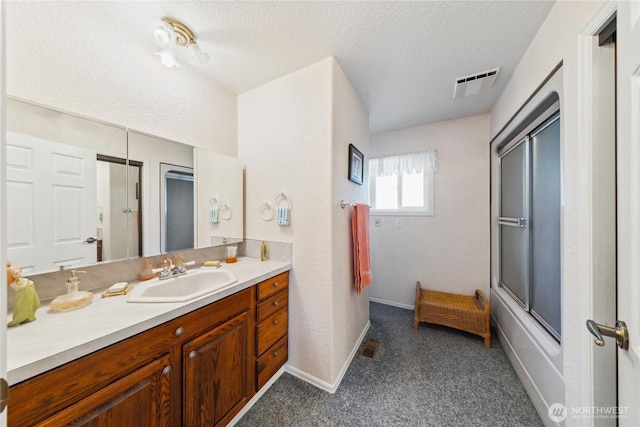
column 51, row 204
column 628, row 36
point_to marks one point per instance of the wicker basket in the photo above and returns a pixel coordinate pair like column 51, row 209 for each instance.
column 466, row 313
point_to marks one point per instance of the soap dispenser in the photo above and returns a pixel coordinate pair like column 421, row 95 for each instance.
column 263, row 251
column 74, row 298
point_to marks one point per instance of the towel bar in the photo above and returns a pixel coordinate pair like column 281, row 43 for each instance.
column 344, row 204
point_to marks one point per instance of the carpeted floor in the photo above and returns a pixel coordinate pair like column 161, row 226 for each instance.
column 434, row 376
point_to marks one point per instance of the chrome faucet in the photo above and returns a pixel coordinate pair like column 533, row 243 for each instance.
column 166, row 270
column 182, row 269
column 169, row 271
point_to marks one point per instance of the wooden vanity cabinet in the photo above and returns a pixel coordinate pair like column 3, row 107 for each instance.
column 272, row 327
column 197, row 370
column 139, row 381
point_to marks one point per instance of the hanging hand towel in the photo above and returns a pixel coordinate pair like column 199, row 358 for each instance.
column 282, row 217
column 361, row 254
column 213, row 215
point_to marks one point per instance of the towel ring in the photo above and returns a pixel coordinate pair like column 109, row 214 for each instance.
column 281, row 197
column 266, row 211
column 225, row 212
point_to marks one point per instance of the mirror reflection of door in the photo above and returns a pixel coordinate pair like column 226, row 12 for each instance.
column 177, row 208
column 119, row 208
column 50, row 190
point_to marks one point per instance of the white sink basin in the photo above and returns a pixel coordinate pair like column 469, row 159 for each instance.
column 194, row 284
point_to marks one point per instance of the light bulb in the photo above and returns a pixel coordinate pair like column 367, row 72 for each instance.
column 168, row 58
column 198, row 57
column 165, row 36
column 161, row 37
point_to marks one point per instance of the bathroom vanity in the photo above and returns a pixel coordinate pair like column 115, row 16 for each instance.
column 196, row 363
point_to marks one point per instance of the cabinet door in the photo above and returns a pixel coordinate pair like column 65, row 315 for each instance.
column 216, row 373
column 142, row 398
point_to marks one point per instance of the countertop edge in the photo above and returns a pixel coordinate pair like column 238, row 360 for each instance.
column 30, row 370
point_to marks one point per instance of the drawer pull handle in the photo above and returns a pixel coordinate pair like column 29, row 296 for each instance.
column 275, row 284
column 193, row 355
column 275, row 322
column 179, row 331
column 275, row 354
column 166, row 370
column 277, row 303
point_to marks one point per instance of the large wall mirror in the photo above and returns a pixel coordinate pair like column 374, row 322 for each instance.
column 220, row 199
column 80, row 191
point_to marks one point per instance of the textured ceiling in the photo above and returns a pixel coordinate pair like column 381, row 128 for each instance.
column 401, row 57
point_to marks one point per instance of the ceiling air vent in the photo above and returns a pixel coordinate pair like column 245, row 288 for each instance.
column 474, row 84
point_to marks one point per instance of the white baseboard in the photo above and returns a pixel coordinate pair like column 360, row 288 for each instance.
column 331, row 388
column 256, row 397
column 393, row 303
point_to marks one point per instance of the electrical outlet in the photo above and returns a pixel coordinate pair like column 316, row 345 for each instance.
column 376, row 222
column 398, row 222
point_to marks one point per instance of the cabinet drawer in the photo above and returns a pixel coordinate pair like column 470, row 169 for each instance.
column 269, row 306
column 272, row 329
column 273, row 285
column 272, row 360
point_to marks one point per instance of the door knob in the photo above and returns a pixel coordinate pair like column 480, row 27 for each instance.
column 620, row 333
column 91, row 240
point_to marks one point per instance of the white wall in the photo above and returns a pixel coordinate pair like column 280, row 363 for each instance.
column 286, row 139
column 351, row 311
column 555, row 42
column 449, row 251
column 129, row 88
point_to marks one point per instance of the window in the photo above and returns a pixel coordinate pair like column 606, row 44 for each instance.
column 529, row 221
column 403, row 184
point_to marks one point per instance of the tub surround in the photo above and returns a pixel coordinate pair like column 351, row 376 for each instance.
column 58, row 338
column 533, row 354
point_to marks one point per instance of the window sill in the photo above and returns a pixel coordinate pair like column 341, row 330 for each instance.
column 379, row 212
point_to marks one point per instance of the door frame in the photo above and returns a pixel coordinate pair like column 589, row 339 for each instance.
column 3, row 201
column 589, row 301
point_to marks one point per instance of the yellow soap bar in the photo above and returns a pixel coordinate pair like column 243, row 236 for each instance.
column 117, row 287
column 212, row 263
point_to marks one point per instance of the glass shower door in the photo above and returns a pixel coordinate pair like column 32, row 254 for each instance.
column 529, row 221
column 512, row 222
column 545, row 295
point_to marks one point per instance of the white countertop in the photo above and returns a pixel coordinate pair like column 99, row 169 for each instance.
column 58, row 338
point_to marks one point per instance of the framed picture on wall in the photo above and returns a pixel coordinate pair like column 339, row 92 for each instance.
column 356, row 164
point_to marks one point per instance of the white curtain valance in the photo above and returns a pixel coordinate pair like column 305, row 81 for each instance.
column 423, row 161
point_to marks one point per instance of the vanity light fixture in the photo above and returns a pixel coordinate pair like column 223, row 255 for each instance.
column 169, row 35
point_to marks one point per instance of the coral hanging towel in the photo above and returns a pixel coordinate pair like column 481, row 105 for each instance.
column 361, row 256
